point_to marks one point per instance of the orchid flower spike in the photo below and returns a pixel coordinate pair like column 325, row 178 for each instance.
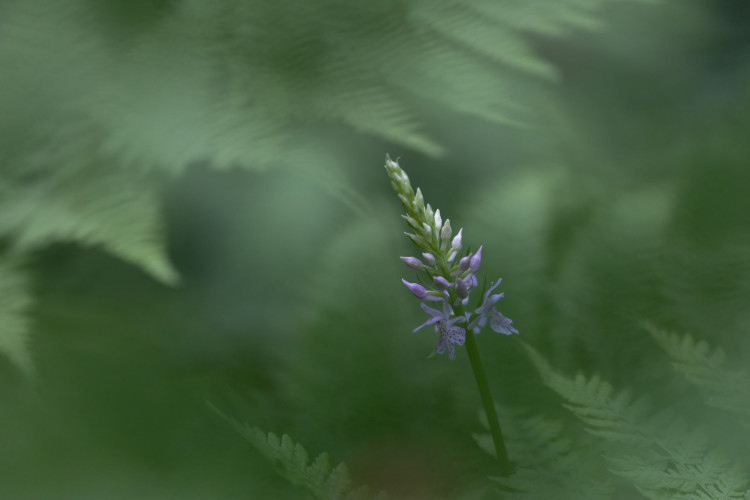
column 450, row 275
column 450, row 279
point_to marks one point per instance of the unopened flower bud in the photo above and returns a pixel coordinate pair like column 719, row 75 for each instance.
column 419, row 200
column 463, row 264
column 413, row 223
column 456, row 243
column 438, row 220
column 429, row 258
column 462, row 288
column 412, row 262
column 429, row 214
column 441, row 282
column 415, row 288
column 446, row 233
column 476, row 259
column 417, row 240
column 402, row 177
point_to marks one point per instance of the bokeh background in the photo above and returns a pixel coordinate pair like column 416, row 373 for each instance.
column 194, row 211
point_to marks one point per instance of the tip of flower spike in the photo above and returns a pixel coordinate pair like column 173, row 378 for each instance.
column 415, row 288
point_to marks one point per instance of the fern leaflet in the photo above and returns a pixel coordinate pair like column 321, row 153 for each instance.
column 706, row 368
column 658, row 452
column 550, row 461
column 15, row 300
column 293, row 464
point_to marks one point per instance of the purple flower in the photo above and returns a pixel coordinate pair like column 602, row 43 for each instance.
column 445, row 325
column 449, row 335
column 501, row 324
column 435, row 315
column 487, row 312
column 415, row 288
column 490, row 300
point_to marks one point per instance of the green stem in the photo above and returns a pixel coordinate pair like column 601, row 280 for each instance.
column 488, row 403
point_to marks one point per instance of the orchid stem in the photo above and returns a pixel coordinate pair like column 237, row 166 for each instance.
column 489, row 404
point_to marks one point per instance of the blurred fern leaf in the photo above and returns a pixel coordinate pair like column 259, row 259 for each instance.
column 660, row 453
column 91, row 99
column 293, row 464
column 234, row 83
column 15, row 300
column 706, row 368
column 549, row 460
column 83, row 199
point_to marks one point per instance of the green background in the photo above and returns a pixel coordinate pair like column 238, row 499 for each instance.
column 603, row 168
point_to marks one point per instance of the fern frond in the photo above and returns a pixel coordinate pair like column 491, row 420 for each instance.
column 659, row 453
column 82, row 199
column 15, row 300
column 612, row 416
column 705, row 368
column 659, row 475
column 293, row 463
column 234, row 83
column 549, row 461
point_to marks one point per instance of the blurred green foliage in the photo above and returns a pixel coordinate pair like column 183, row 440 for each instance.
column 193, row 209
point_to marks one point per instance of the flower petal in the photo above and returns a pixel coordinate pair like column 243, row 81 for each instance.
column 456, row 335
column 501, row 324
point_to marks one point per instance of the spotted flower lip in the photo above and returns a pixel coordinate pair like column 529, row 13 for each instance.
column 445, row 325
column 449, row 335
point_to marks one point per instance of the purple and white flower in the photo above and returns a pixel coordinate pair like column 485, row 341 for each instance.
column 445, row 325
column 487, row 312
